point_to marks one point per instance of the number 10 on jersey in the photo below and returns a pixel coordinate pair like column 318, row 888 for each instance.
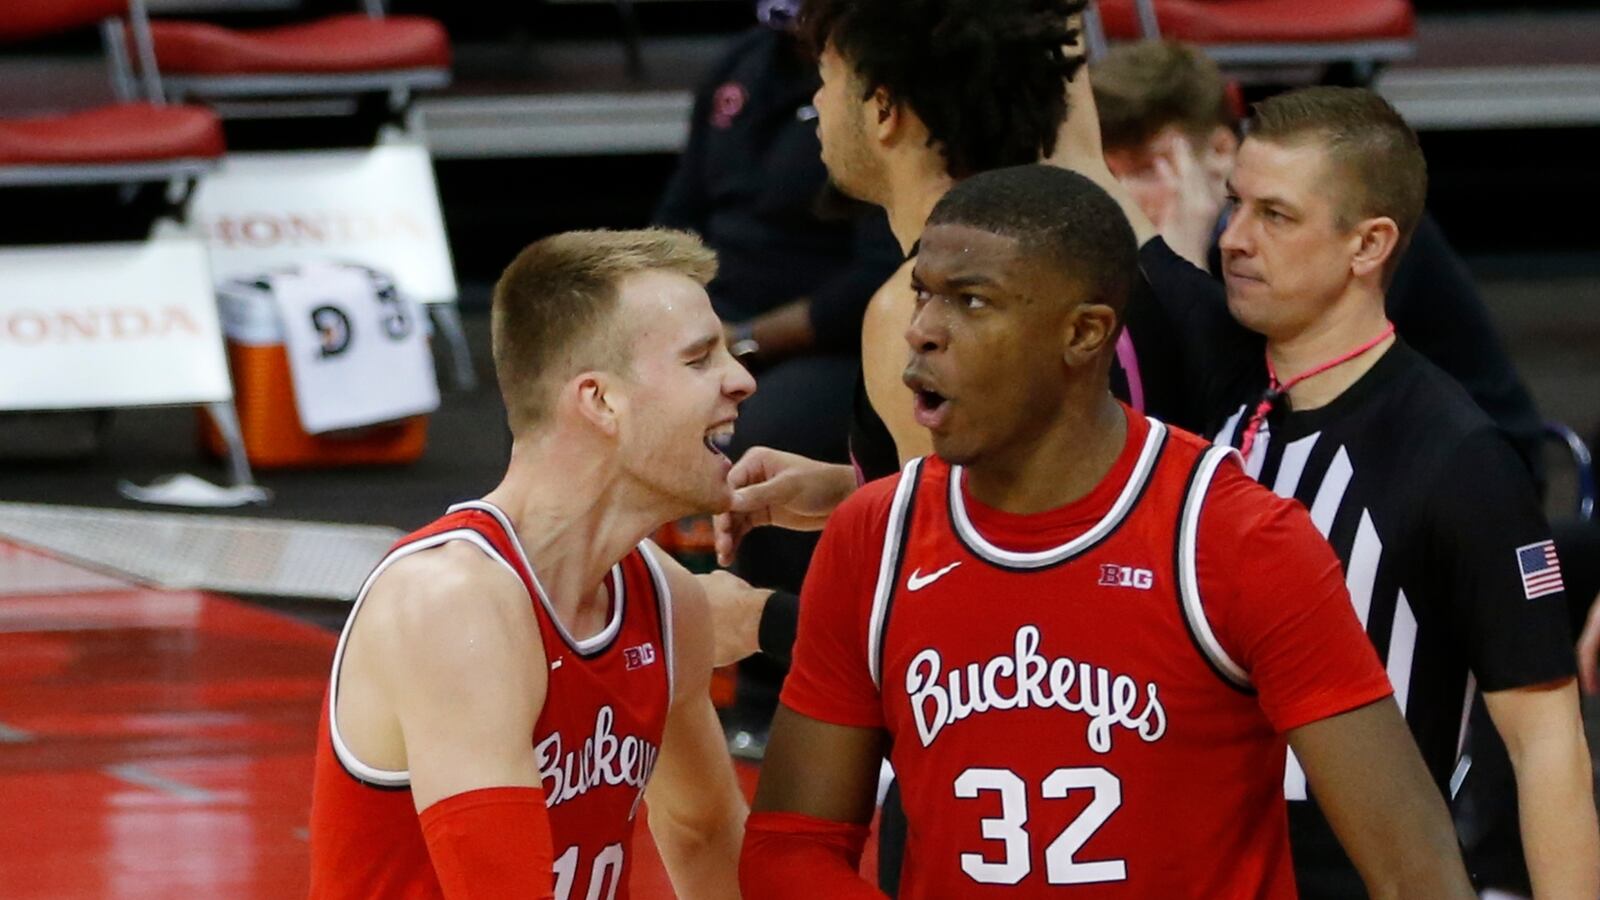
column 604, row 875
column 1011, row 827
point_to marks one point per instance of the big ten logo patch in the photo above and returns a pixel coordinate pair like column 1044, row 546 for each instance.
column 727, row 103
column 1126, row 576
column 639, row 657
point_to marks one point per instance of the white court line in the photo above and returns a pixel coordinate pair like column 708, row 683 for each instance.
column 10, row 735
column 134, row 774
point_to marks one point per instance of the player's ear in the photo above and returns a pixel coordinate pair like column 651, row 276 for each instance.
column 1090, row 330
column 885, row 117
column 594, row 397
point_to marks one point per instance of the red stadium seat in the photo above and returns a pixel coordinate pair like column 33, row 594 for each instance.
column 126, row 132
column 351, row 43
column 115, row 143
column 1272, row 32
column 23, row 20
column 335, row 55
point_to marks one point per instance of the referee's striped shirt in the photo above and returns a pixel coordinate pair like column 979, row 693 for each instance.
column 1439, row 528
column 1431, row 511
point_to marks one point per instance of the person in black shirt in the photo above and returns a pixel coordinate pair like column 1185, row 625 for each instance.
column 1159, row 100
column 796, row 267
column 1426, row 502
column 1163, row 100
column 791, row 285
column 795, row 273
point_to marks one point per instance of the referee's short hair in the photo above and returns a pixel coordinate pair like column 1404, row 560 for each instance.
column 1060, row 215
column 1368, row 145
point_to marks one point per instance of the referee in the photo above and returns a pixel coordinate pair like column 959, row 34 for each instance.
column 1447, row 555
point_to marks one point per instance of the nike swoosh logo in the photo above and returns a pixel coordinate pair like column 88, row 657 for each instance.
column 918, row 581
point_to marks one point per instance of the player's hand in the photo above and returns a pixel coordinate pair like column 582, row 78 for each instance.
column 1181, row 196
column 1589, row 650
column 771, row 487
column 735, row 616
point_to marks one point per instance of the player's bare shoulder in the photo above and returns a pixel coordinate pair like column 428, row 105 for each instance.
column 454, row 582
column 443, row 607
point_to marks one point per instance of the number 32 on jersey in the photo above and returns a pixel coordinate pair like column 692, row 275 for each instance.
column 1011, row 830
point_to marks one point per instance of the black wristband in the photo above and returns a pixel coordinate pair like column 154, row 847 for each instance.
column 780, row 624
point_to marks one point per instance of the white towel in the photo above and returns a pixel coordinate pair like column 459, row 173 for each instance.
column 358, row 350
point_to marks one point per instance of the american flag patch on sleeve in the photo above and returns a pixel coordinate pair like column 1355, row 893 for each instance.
column 1541, row 570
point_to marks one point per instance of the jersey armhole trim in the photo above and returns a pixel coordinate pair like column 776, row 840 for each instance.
column 658, row 577
column 1189, row 599
column 360, row 771
column 897, row 532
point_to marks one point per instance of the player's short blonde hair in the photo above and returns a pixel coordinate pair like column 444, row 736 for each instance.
column 553, row 308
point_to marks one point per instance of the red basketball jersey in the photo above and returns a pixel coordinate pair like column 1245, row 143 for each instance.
column 1089, row 701
column 596, row 740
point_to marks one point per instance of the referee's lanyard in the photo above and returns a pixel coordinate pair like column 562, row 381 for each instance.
column 1276, row 389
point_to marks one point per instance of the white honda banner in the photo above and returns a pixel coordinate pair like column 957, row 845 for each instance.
column 376, row 207
column 102, row 325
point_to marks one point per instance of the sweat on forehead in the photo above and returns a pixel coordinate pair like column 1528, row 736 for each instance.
column 1051, row 211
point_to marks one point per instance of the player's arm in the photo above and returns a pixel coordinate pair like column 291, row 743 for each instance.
column 820, row 775
column 1274, row 593
column 696, row 811
column 456, row 649
column 771, row 487
column 1078, row 147
column 1370, row 781
column 818, row 789
column 1484, row 525
column 1543, row 731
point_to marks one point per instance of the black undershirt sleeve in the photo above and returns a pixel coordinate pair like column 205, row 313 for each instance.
column 780, row 624
column 1217, row 356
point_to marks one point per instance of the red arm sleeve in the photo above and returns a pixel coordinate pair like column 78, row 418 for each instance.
column 1275, row 593
column 493, row 842
column 788, row 856
column 829, row 680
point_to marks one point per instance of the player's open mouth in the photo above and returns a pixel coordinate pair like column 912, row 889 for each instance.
column 932, row 408
column 719, row 438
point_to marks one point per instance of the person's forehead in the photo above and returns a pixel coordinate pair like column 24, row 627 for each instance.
column 661, row 286
column 952, row 249
column 661, row 301
column 831, row 59
column 1295, row 164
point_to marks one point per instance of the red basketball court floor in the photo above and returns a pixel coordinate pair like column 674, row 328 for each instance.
column 158, row 744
